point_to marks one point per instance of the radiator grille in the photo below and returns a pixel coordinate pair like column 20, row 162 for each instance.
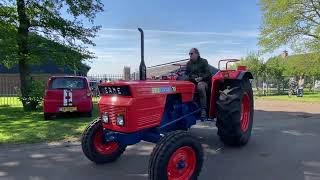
column 113, row 111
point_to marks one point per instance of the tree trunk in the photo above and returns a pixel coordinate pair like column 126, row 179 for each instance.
column 23, row 32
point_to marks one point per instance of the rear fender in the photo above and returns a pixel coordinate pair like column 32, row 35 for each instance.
column 218, row 82
column 245, row 74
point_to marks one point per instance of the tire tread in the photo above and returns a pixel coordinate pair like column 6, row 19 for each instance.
column 168, row 143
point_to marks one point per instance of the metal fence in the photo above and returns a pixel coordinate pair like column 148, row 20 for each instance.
column 99, row 78
column 281, row 85
column 9, row 86
column 105, row 77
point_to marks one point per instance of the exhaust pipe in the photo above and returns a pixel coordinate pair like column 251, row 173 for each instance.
column 142, row 67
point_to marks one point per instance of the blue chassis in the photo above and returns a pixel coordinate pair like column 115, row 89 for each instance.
column 182, row 117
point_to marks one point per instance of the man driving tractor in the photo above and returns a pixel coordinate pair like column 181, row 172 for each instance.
column 198, row 72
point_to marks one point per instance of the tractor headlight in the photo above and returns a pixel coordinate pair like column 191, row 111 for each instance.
column 120, row 120
column 105, row 117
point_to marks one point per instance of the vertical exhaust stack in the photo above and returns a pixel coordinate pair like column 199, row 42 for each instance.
column 142, row 67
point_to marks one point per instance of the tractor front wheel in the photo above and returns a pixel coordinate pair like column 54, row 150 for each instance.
column 94, row 147
column 235, row 112
column 178, row 156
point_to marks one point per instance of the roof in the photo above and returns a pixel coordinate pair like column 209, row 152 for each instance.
column 48, row 68
column 46, row 55
column 160, row 70
column 171, row 68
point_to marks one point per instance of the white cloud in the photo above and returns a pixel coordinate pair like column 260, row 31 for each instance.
column 112, row 49
column 241, row 33
column 110, row 36
column 196, row 44
column 152, row 40
column 118, row 29
column 206, row 43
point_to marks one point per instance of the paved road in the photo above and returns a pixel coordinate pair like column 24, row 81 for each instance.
column 284, row 146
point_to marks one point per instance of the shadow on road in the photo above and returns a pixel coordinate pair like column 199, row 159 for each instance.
column 284, row 145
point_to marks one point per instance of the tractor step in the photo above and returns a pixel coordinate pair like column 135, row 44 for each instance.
column 208, row 120
column 211, row 120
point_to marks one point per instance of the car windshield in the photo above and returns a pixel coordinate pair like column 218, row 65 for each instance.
column 67, row 83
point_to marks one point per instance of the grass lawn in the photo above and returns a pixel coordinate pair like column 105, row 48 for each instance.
column 307, row 97
column 17, row 126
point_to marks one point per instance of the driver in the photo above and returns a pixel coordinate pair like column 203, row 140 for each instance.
column 198, row 72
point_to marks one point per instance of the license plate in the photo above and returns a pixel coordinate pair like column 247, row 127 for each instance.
column 115, row 90
column 68, row 109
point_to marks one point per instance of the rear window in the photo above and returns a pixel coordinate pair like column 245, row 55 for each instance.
column 67, row 83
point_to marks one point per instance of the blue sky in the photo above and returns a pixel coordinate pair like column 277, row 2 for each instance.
column 220, row 29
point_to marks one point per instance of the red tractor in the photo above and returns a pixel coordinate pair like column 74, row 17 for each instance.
column 161, row 111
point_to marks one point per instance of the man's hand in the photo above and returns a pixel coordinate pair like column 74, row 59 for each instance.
column 198, row 79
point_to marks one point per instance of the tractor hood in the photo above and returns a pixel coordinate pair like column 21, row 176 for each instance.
column 147, row 88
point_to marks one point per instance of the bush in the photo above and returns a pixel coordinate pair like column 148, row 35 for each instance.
column 35, row 97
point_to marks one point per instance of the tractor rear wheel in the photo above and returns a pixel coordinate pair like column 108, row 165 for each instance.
column 235, row 112
column 95, row 149
column 178, row 156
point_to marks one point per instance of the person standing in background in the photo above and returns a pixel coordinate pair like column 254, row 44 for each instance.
column 300, row 86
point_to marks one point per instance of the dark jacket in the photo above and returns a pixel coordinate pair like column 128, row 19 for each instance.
column 198, row 68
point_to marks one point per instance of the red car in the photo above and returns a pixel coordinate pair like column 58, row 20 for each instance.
column 67, row 94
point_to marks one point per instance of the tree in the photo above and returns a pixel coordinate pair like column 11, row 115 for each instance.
column 275, row 68
column 255, row 65
column 21, row 19
column 304, row 65
column 290, row 22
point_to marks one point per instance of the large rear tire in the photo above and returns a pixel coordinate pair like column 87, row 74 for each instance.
column 95, row 149
column 235, row 112
column 178, row 156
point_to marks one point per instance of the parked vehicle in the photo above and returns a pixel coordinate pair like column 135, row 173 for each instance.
column 66, row 94
column 293, row 87
column 317, row 84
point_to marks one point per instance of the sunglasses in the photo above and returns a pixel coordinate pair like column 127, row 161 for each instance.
column 190, row 53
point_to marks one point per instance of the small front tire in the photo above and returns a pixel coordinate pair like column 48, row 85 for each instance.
column 178, row 156
column 95, row 149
